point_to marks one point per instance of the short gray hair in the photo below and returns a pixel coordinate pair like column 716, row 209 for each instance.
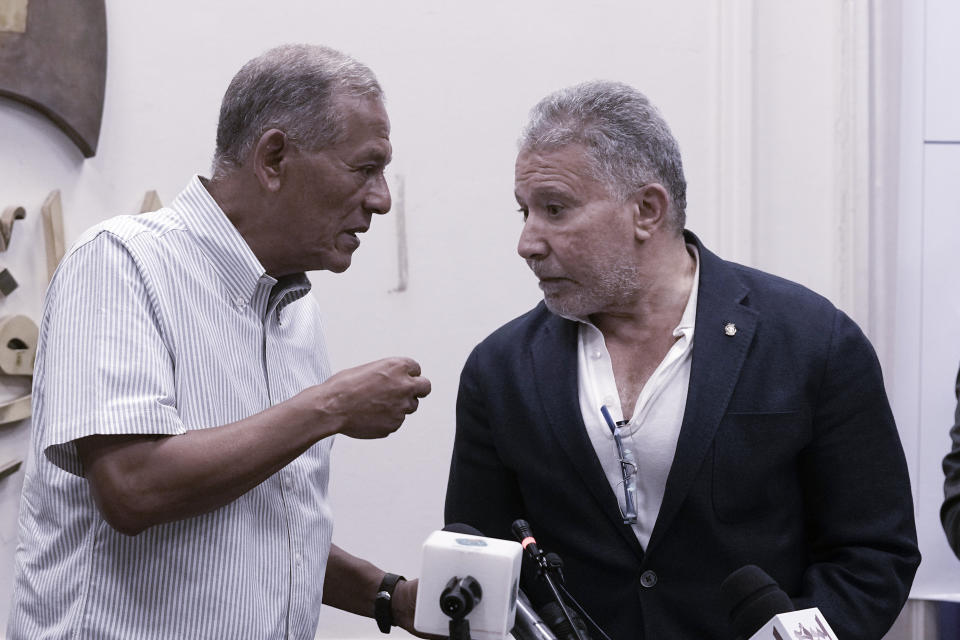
column 292, row 88
column 628, row 141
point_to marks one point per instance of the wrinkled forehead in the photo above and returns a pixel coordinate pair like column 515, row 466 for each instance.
column 364, row 124
column 564, row 169
column 565, row 153
column 571, row 158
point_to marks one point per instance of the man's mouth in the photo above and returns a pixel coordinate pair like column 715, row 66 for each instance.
column 553, row 284
column 353, row 241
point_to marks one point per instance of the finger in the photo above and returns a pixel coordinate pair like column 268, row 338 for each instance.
column 413, row 367
column 412, row 406
column 421, row 386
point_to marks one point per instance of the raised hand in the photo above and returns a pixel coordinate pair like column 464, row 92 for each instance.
column 372, row 400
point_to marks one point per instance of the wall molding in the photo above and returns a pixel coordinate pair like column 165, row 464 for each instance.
column 852, row 158
column 735, row 83
column 885, row 179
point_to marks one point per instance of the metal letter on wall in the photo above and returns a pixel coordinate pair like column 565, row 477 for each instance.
column 53, row 57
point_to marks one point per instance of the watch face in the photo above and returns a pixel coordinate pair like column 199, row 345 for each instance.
column 383, row 595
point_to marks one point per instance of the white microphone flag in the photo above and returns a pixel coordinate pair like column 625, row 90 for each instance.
column 806, row 624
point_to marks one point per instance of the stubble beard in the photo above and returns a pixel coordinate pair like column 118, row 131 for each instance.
column 610, row 286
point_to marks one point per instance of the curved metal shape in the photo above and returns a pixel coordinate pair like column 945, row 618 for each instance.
column 58, row 66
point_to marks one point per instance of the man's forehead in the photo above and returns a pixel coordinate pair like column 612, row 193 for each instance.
column 366, row 129
column 561, row 163
column 571, row 154
column 366, row 113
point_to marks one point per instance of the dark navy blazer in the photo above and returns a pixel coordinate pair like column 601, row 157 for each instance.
column 788, row 458
column 950, row 510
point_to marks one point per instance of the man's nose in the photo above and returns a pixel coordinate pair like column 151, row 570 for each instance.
column 378, row 197
column 532, row 243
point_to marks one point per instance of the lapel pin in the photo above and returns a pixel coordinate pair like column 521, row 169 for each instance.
column 730, row 329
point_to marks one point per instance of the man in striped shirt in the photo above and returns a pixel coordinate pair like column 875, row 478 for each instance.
column 184, row 405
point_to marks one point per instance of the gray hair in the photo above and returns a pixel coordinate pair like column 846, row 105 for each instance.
column 291, row 88
column 628, row 141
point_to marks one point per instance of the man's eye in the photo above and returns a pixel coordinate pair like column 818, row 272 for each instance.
column 553, row 210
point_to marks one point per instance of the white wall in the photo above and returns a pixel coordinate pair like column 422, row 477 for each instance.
column 926, row 308
column 756, row 93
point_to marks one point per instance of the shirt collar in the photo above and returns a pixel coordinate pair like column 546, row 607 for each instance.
column 230, row 254
column 689, row 317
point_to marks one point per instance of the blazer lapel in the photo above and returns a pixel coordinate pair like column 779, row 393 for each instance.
column 719, row 351
column 554, row 354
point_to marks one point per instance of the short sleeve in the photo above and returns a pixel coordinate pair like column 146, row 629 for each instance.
column 103, row 366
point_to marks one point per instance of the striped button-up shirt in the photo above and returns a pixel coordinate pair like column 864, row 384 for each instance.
column 160, row 324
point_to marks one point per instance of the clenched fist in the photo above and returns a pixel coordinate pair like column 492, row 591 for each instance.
column 371, row 401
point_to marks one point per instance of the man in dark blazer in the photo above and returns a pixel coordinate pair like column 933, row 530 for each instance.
column 950, row 511
column 751, row 421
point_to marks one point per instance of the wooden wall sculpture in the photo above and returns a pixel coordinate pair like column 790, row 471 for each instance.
column 53, row 57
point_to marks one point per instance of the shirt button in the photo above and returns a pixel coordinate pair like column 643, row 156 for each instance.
column 597, row 355
column 239, row 302
column 648, row 578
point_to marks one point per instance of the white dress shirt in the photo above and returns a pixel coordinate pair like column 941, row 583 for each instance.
column 654, row 427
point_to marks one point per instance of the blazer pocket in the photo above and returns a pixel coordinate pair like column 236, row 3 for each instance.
column 755, row 464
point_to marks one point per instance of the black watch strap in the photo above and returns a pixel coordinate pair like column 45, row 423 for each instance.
column 382, row 603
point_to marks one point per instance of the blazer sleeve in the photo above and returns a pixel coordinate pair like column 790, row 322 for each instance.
column 481, row 492
column 950, row 511
column 861, row 534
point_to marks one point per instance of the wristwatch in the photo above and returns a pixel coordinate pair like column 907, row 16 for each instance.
column 382, row 608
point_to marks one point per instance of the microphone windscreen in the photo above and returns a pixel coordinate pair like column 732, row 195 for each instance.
column 521, row 530
column 752, row 597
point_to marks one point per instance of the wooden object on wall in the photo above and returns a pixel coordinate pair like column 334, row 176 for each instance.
column 7, row 283
column 400, row 219
column 9, row 468
column 7, row 218
column 15, row 410
column 53, row 230
column 151, row 202
column 18, row 345
column 13, row 15
column 57, row 63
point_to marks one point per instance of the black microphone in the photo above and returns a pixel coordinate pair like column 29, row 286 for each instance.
column 527, row 624
column 752, row 597
column 523, row 533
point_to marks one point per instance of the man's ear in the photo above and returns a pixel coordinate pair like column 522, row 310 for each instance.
column 651, row 205
column 269, row 155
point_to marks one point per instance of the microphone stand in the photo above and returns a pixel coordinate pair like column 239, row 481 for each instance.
column 554, row 565
column 459, row 629
column 550, row 572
